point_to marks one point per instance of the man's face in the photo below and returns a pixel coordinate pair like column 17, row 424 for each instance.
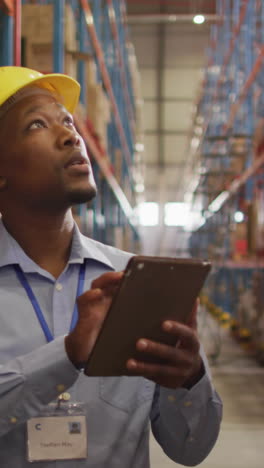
column 43, row 159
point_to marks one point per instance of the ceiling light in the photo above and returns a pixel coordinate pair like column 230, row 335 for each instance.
column 139, row 147
column 198, row 19
column 239, row 217
column 195, row 141
column 139, row 188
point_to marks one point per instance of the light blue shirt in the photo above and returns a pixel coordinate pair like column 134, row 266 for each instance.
column 119, row 411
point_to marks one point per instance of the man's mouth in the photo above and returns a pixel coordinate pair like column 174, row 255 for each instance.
column 78, row 165
column 76, row 159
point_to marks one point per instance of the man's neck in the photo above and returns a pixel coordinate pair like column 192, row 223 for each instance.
column 45, row 239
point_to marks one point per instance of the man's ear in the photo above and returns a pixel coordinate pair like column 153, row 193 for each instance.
column 3, row 183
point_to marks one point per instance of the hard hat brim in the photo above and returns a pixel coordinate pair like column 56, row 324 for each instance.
column 65, row 87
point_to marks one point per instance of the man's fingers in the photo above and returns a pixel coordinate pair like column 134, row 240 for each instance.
column 90, row 297
column 154, row 371
column 108, row 281
column 93, row 306
column 169, row 354
column 184, row 333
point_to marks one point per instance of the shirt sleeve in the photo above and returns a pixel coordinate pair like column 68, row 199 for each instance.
column 28, row 383
column 186, row 423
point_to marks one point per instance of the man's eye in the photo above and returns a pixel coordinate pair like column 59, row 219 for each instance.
column 37, row 124
column 68, row 120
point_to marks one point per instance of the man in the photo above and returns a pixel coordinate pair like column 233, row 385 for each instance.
column 45, row 263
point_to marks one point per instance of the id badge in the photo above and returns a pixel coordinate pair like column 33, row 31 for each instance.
column 58, row 433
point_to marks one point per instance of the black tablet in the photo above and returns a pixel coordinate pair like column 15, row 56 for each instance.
column 153, row 290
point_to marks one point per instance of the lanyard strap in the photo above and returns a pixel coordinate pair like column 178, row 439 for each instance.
column 24, row 282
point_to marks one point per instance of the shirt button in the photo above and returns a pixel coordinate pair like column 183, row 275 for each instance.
column 65, row 396
column 187, row 403
column 60, row 388
column 13, row 420
column 171, row 398
column 59, row 286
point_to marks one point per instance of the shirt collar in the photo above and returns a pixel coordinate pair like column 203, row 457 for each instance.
column 82, row 248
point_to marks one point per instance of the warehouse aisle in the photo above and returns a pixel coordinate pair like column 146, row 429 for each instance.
column 240, row 381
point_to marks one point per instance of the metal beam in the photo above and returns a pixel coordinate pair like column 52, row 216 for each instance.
column 164, row 132
column 17, row 32
column 58, row 36
column 160, row 85
column 168, row 99
column 174, row 67
column 170, row 18
column 150, row 165
column 7, row 39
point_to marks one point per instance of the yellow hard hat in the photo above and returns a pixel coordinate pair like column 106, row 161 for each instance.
column 14, row 79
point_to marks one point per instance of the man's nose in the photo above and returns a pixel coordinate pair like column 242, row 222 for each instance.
column 68, row 137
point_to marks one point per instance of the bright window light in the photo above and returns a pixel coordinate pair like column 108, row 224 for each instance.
column 239, row 217
column 195, row 221
column 198, row 19
column 148, row 214
column 176, row 214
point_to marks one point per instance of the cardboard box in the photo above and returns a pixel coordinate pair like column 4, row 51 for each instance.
column 252, row 227
column 259, row 222
column 37, row 32
column 239, row 146
column 91, row 78
column 37, row 25
column 118, row 163
column 239, row 241
column 237, row 164
column 39, row 56
column 258, row 140
column 98, row 110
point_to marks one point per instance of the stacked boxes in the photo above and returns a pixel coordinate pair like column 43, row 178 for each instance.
column 239, row 241
column 98, row 110
column 37, row 32
column 238, row 153
column 258, row 142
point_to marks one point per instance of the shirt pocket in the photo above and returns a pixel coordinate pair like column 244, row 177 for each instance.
column 126, row 393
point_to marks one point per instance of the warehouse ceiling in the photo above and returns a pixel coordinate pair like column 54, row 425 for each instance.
column 171, row 56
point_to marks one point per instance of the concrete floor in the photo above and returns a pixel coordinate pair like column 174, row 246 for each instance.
column 240, row 382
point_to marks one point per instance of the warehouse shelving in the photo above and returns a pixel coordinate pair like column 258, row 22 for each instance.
column 230, row 107
column 101, row 36
column 235, row 122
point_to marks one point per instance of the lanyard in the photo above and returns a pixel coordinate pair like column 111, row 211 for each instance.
column 24, row 282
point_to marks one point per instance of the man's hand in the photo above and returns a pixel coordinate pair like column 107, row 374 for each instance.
column 93, row 306
column 183, row 362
